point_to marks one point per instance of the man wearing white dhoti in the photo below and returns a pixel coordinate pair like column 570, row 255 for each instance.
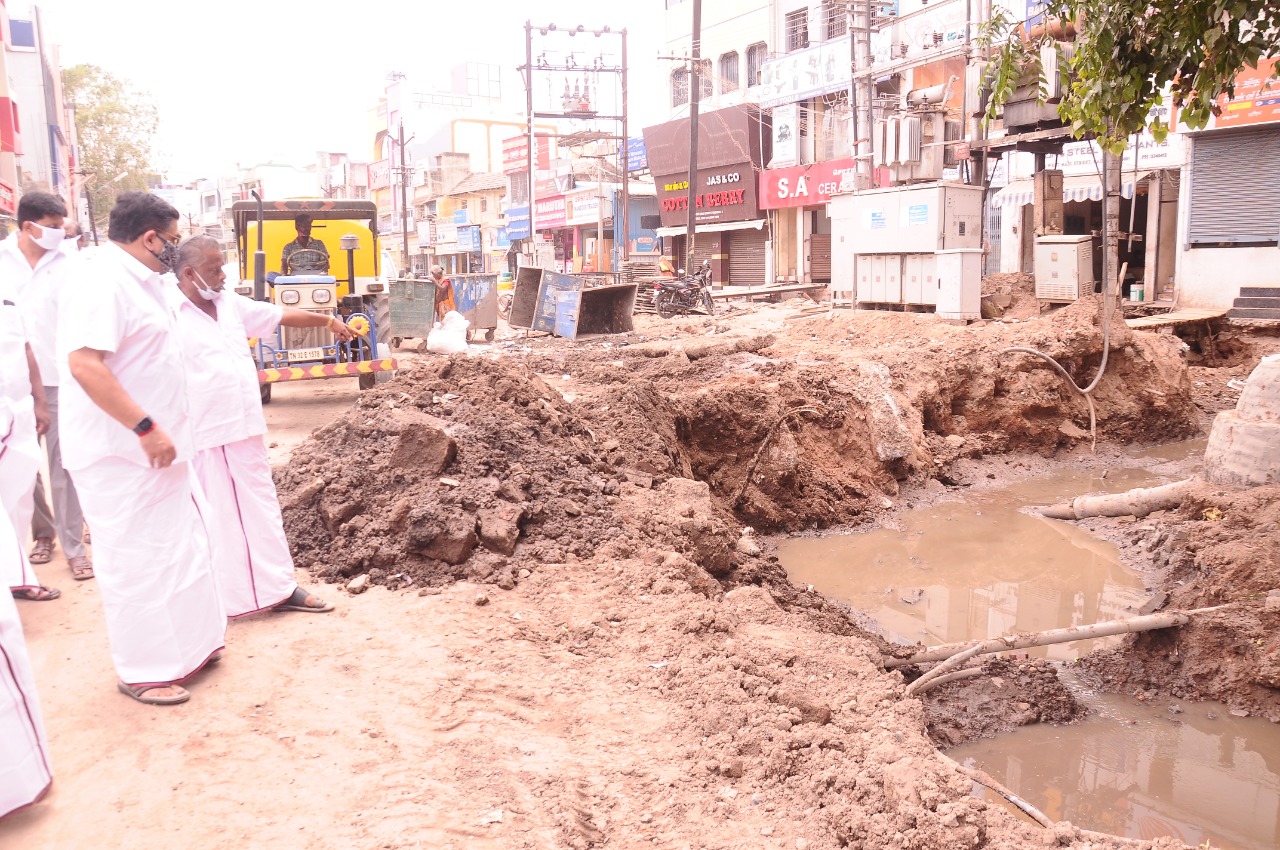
column 251, row 559
column 32, row 260
column 25, row 774
column 22, row 394
column 127, row 443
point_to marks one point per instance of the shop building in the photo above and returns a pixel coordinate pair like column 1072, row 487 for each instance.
column 732, row 231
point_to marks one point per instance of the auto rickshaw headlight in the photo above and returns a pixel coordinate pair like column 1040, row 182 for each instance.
column 289, row 296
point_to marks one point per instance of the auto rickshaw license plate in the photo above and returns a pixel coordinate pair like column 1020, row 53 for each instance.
column 297, row 355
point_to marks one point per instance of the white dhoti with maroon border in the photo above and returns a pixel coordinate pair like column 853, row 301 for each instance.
column 152, row 563
column 250, row 553
column 25, row 773
column 19, row 461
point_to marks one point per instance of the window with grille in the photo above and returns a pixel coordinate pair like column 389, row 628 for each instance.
column 706, row 83
column 756, row 54
column 729, row 72
column 679, row 87
column 837, row 19
column 797, row 27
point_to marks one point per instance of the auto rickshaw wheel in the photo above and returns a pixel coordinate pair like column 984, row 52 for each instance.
column 488, row 334
column 264, row 391
column 368, row 381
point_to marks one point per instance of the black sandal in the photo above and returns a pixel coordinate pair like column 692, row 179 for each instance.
column 297, row 601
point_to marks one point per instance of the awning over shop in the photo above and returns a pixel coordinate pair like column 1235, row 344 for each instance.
column 718, row 227
column 1079, row 187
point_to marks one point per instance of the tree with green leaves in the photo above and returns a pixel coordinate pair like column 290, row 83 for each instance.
column 1129, row 53
column 115, row 124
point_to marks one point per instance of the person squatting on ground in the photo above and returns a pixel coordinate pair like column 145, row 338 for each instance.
column 25, row 772
column 127, row 442
column 21, row 386
column 34, row 260
column 252, row 564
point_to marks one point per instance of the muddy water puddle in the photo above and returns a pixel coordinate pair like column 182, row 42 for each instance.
column 980, row 567
column 1143, row 772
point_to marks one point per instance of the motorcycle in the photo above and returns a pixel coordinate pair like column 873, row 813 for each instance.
column 688, row 292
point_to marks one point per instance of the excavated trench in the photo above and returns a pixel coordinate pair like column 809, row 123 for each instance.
column 983, row 566
column 489, row 469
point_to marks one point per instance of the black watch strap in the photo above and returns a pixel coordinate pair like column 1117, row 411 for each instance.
column 144, row 427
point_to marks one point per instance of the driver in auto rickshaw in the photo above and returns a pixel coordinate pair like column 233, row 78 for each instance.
column 307, row 263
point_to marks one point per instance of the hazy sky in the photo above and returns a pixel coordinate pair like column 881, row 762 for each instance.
column 247, row 81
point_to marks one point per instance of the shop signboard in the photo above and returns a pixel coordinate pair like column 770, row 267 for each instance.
column 501, row 238
column 460, row 216
column 1146, row 155
column 806, row 185
column 814, row 71
column 426, row 233
column 517, row 222
column 380, row 174
column 469, row 239
column 446, row 234
column 583, row 207
column 723, row 194
column 550, row 212
column 8, row 198
column 1256, row 99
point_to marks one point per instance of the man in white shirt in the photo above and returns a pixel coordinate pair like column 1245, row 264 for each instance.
column 251, row 557
column 25, row 774
column 33, row 260
column 22, row 393
column 127, row 442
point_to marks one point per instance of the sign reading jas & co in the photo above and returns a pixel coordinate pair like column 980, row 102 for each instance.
column 727, row 193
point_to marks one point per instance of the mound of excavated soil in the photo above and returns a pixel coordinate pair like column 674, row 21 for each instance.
column 1222, row 546
column 1010, row 693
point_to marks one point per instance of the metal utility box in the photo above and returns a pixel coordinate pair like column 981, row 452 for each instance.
column 1048, row 204
column 959, row 283
column 908, row 220
column 1064, row 267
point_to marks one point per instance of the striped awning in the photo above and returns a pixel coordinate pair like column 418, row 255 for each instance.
column 1081, row 187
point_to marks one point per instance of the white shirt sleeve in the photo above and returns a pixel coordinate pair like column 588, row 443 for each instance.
column 90, row 315
column 260, row 318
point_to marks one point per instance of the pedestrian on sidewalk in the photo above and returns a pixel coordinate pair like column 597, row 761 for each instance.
column 25, row 773
column 22, row 394
column 251, row 557
column 128, row 445
column 34, row 261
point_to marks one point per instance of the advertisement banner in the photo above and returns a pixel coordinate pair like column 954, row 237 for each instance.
column 460, row 216
column 786, row 136
column 426, row 233
column 637, row 156
column 550, row 212
column 515, row 154
column 446, row 234
column 380, row 174
column 723, row 194
column 8, row 198
column 817, row 70
column 806, row 185
column 1256, row 100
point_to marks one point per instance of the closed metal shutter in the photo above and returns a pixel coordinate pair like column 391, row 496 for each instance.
column 746, row 257
column 820, row 258
column 705, row 246
column 1235, row 187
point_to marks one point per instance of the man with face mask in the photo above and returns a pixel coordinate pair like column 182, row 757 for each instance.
column 31, row 267
column 251, row 557
column 128, row 444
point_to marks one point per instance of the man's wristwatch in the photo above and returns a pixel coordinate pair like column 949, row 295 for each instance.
column 144, row 427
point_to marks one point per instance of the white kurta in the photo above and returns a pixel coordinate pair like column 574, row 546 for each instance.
column 19, row 445
column 25, row 773
column 151, row 547
column 250, row 553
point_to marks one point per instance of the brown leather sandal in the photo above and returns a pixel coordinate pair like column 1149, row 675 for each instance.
column 41, row 551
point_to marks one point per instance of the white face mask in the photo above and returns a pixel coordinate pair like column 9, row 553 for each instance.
column 207, row 292
column 50, row 237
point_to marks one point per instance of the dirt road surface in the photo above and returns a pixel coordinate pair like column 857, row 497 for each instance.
column 625, row 675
